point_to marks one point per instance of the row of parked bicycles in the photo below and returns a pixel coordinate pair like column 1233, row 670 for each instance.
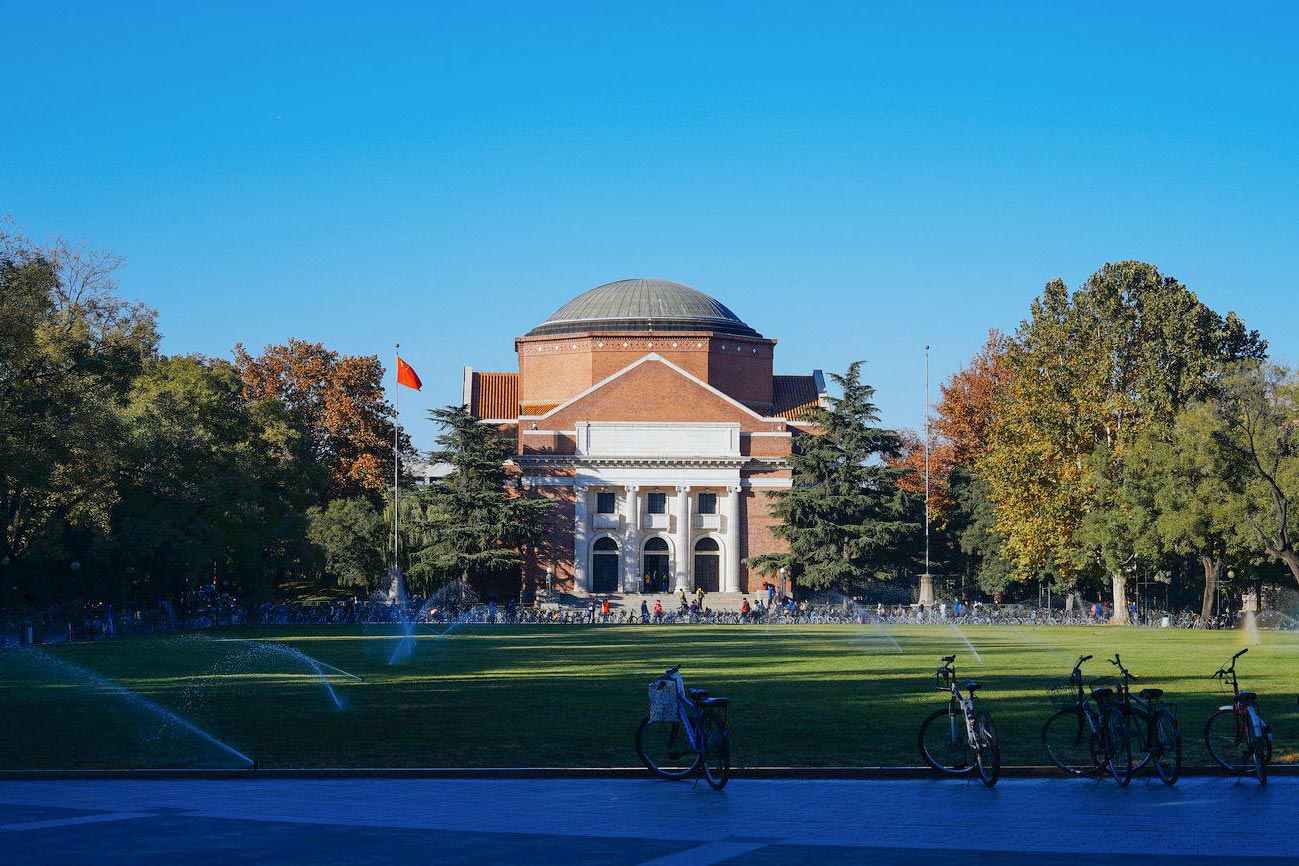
column 1100, row 729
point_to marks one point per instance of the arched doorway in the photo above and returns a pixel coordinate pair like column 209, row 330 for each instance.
column 656, row 567
column 604, row 565
column 708, row 565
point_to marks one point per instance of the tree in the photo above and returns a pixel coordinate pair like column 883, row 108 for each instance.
column 475, row 519
column 1258, row 410
column 1092, row 373
column 1195, row 487
column 216, row 487
column 845, row 518
column 339, row 400
column 69, row 351
column 352, row 537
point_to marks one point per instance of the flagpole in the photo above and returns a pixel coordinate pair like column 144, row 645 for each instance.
column 396, row 441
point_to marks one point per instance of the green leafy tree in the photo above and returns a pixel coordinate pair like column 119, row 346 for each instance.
column 1197, row 493
column 352, row 536
column 845, row 519
column 69, row 351
column 474, row 519
column 1093, row 375
column 217, row 488
column 1258, row 410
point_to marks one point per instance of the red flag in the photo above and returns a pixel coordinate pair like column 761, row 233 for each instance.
column 406, row 375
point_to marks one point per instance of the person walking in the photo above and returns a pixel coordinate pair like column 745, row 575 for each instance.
column 699, row 596
column 658, row 611
column 745, row 610
column 644, row 612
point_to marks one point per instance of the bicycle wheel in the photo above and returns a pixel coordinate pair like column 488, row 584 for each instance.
column 988, row 753
column 1118, row 746
column 716, row 754
column 1168, row 745
column 1066, row 737
column 1226, row 743
column 664, row 748
column 944, row 743
column 1138, row 727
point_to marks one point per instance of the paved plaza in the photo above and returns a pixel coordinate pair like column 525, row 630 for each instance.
column 578, row 821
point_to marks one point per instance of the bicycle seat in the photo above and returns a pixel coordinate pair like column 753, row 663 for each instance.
column 714, row 702
column 1152, row 694
column 1102, row 694
column 1246, row 697
column 697, row 693
column 971, row 686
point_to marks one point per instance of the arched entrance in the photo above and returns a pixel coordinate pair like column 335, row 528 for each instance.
column 708, row 565
column 656, row 567
column 604, row 565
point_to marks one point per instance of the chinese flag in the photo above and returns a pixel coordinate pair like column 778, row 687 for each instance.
column 406, row 375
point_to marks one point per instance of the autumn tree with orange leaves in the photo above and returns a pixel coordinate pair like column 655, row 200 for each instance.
column 340, row 402
column 959, row 430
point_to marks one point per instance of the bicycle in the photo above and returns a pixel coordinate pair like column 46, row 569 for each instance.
column 1089, row 735
column 951, row 736
column 686, row 732
column 1236, row 735
column 1153, row 727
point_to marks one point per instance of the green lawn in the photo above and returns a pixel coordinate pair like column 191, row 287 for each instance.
column 572, row 696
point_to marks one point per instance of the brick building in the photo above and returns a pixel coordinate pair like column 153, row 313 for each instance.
column 650, row 414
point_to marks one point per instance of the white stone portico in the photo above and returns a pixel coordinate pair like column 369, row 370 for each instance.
column 637, row 481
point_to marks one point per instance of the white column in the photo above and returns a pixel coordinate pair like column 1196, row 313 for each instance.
column 632, row 579
column 581, row 540
column 732, row 536
column 682, row 538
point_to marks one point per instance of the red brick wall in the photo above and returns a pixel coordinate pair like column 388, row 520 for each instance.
column 653, row 392
column 555, row 549
column 555, row 369
column 757, row 537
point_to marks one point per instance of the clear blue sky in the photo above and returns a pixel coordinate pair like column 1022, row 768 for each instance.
column 853, row 180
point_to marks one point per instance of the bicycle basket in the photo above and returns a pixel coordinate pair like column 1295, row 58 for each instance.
column 662, row 701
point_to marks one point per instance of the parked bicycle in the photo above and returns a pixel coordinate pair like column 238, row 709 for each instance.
column 959, row 739
column 1089, row 734
column 686, row 732
column 1152, row 726
column 1236, row 735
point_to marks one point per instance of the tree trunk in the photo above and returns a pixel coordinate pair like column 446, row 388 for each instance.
column 1212, row 571
column 1291, row 559
column 1120, row 616
column 1072, row 603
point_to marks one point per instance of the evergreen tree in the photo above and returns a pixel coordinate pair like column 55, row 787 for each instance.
column 475, row 519
column 845, row 519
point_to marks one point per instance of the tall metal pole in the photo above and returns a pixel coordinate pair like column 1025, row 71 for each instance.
column 926, row 459
column 396, row 440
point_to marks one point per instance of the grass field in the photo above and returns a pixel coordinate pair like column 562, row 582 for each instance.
column 572, row 696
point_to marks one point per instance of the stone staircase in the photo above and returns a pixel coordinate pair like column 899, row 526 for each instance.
column 719, row 601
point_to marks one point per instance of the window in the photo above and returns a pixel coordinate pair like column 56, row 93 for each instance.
column 605, row 545
column 656, row 545
column 706, row 545
column 606, row 503
column 707, row 503
column 658, row 502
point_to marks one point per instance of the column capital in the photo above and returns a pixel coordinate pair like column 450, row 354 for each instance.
column 682, row 488
column 631, row 487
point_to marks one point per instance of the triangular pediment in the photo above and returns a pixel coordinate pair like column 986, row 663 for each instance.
column 653, row 389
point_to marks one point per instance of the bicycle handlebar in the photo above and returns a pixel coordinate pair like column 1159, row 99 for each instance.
column 1239, row 654
column 670, row 671
column 949, row 659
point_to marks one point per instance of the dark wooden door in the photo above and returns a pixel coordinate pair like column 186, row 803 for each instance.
column 604, row 572
column 707, row 571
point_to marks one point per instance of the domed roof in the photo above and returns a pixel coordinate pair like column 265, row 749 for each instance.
column 643, row 305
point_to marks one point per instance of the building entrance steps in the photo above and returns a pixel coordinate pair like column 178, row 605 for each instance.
column 730, row 602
